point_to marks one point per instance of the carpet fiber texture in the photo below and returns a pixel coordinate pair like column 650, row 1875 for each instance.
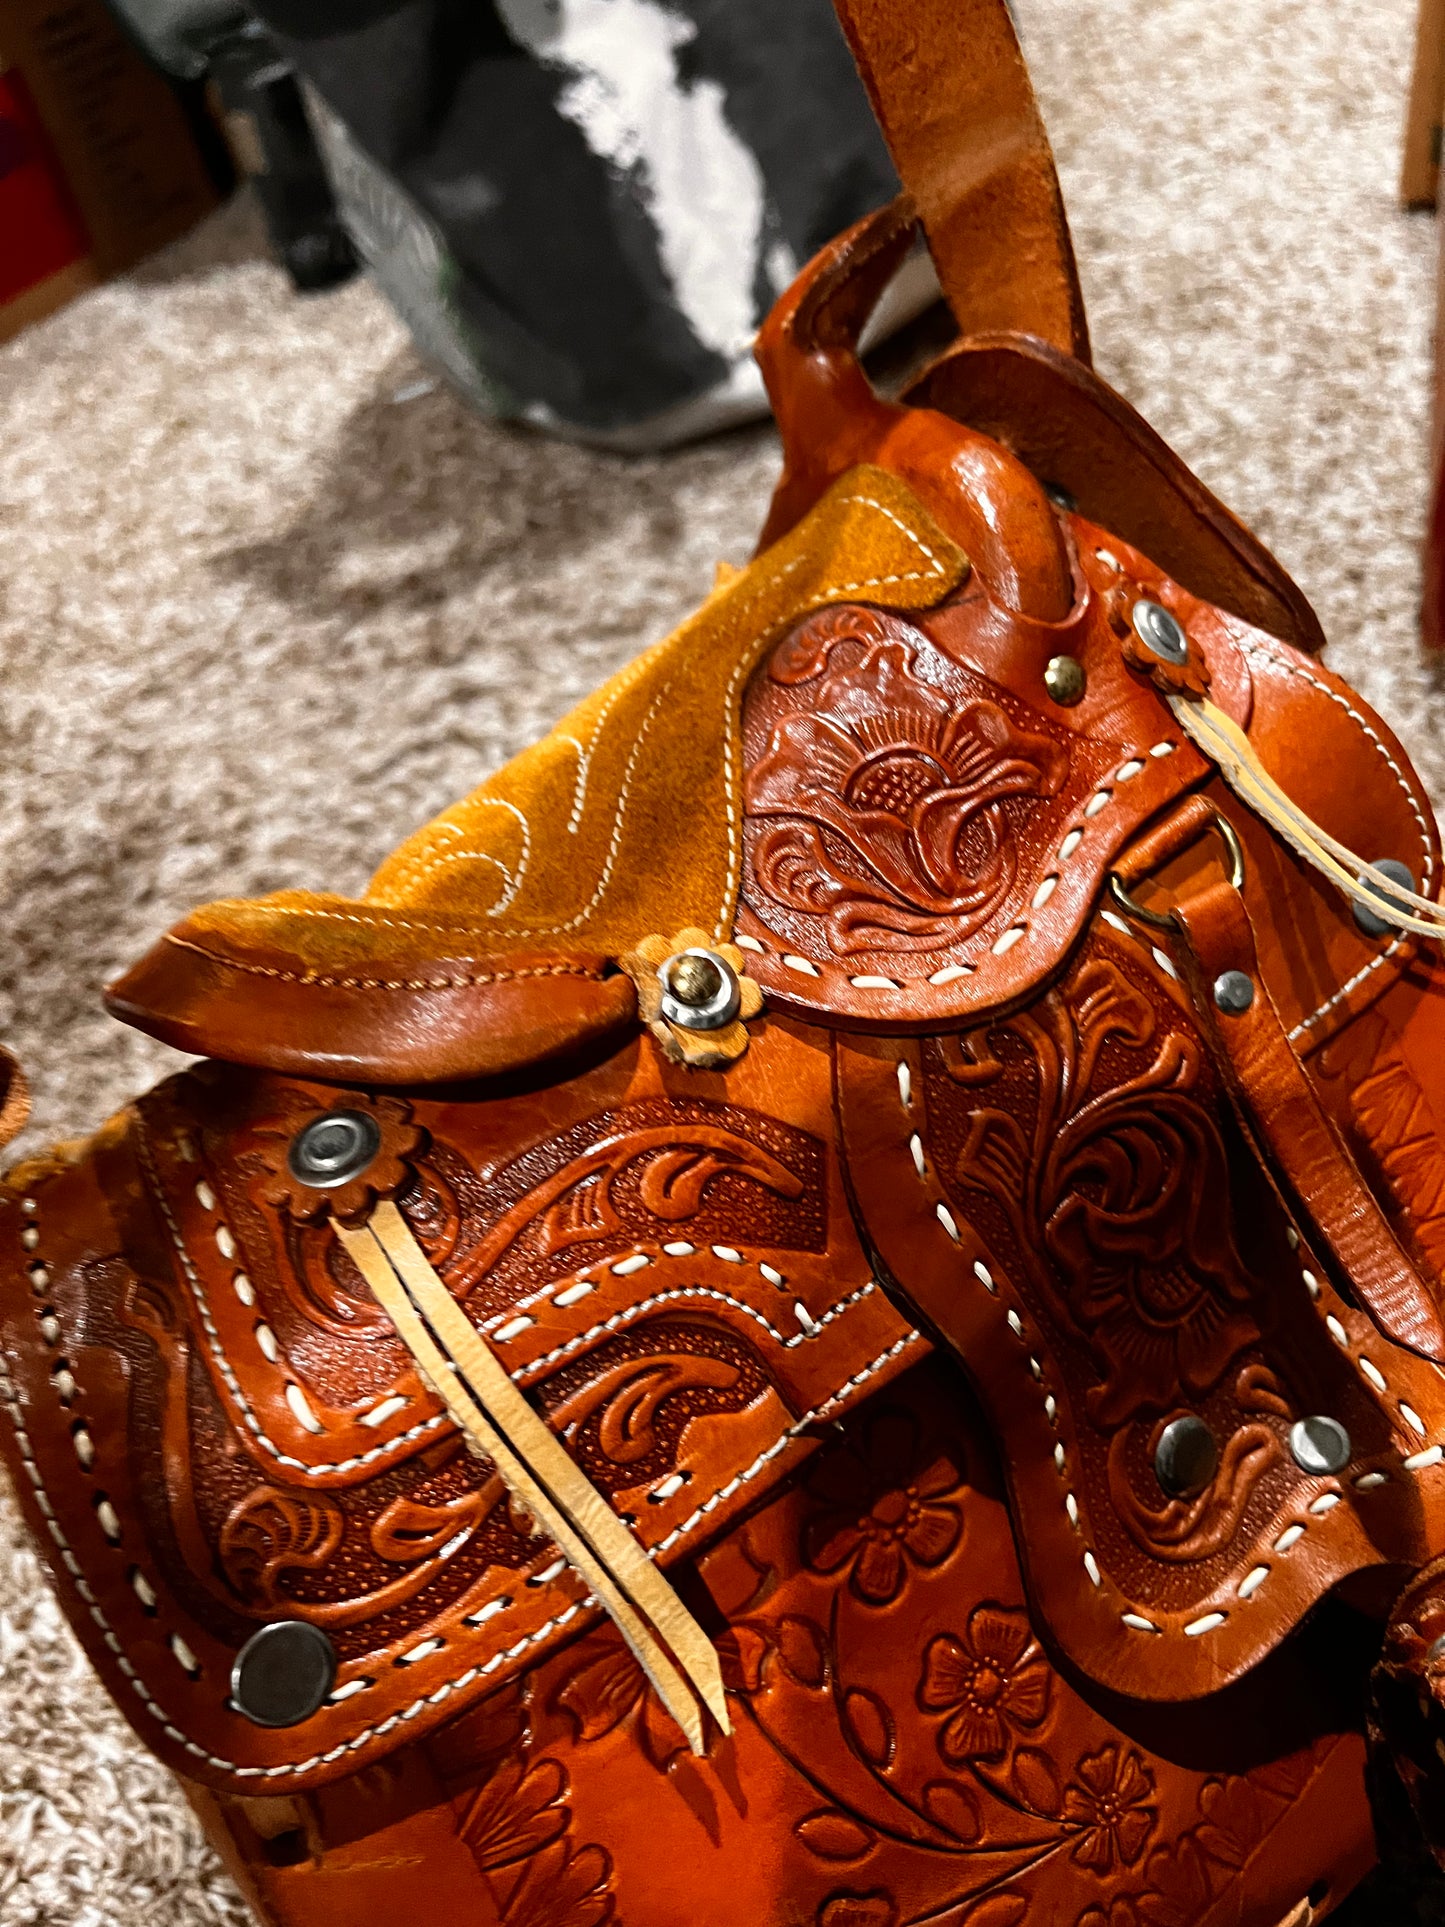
column 268, row 601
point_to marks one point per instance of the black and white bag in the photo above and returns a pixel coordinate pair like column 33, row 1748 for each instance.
column 584, row 208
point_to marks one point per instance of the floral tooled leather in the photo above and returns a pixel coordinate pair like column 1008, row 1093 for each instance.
column 895, row 1759
column 919, row 834
column 878, row 1515
column 887, row 808
column 995, row 1140
column 1065, row 1191
column 666, row 1266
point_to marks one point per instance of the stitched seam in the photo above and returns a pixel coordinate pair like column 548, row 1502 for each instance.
column 1298, row 669
column 419, row 865
column 1213, row 1617
column 320, row 1468
column 795, row 1430
column 9, row 1397
column 465, row 981
column 440, row 858
column 624, row 796
column 584, row 756
column 1100, row 799
column 426, row 866
column 207, row 1199
column 788, row 1344
column 521, row 1374
column 1345, row 989
column 457, row 928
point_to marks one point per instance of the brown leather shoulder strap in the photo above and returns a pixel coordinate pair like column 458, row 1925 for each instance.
column 952, row 95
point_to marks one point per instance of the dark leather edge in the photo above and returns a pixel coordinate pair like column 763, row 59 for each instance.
column 1028, row 396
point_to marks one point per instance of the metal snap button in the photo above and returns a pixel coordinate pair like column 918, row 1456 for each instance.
column 1383, row 925
column 283, row 1673
column 1233, row 992
column 1186, row 1457
column 333, row 1149
column 1319, row 1444
column 1160, row 632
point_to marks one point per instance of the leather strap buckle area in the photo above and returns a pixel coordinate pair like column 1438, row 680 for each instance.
column 1167, row 920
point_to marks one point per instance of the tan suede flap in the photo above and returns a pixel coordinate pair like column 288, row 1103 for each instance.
column 624, row 820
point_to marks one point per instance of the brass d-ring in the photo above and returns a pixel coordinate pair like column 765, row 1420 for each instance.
column 1167, row 921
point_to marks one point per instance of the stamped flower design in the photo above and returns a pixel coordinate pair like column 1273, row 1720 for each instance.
column 516, row 1813
column 882, row 1511
column 1111, row 1804
column 607, row 1688
column 990, row 1683
column 883, row 806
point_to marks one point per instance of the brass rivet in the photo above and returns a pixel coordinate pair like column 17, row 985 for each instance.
column 1065, row 680
column 693, row 979
column 700, row 989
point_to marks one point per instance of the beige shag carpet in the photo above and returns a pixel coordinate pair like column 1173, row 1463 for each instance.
column 264, row 607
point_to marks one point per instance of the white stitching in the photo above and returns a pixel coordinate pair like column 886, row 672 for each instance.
column 746, row 664
column 986, row 1278
column 522, row 1374
column 421, row 864
column 1427, row 854
column 605, row 878
column 1345, row 989
column 9, row 1397
column 1325, row 1502
column 618, row 1318
column 1016, row 932
column 849, row 1385
column 314, row 1470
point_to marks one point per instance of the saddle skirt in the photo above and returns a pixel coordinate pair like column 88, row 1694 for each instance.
column 1014, row 1336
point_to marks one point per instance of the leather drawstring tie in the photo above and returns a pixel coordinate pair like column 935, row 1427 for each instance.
column 453, row 1358
column 1220, row 738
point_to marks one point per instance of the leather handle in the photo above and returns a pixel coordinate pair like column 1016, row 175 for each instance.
column 952, row 94
column 830, row 420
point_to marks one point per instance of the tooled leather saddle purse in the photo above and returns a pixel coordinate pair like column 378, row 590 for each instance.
column 825, row 1305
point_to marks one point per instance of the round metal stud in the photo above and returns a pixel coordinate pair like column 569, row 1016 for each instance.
column 334, row 1149
column 1186, row 1457
column 1065, row 680
column 699, row 990
column 283, row 1673
column 1160, row 632
column 1369, row 922
column 1319, row 1444
column 1233, row 992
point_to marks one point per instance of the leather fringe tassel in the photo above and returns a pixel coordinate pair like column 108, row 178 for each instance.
column 1225, row 744
column 669, row 1645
